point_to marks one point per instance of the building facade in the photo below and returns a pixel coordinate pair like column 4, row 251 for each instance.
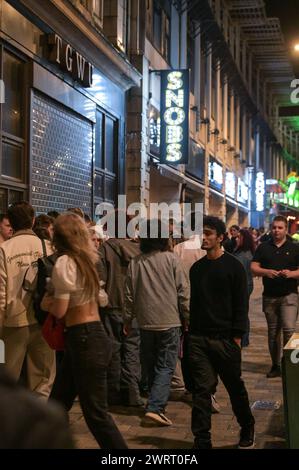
column 63, row 116
column 240, row 75
column 80, row 122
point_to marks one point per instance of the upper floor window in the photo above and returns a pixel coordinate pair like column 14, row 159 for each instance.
column 95, row 8
column 158, row 25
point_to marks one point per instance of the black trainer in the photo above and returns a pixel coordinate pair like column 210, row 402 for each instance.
column 247, row 437
column 275, row 371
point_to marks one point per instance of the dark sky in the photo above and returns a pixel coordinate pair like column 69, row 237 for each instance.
column 288, row 13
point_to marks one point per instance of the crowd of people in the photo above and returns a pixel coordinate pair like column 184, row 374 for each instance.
column 126, row 304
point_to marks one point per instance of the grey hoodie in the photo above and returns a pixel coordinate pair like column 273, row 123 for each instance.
column 157, row 291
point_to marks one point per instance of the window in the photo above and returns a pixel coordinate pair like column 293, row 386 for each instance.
column 85, row 3
column 154, row 131
column 10, row 196
column 159, row 29
column 13, row 107
column 98, row 9
column 122, row 28
column 106, row 158
column 191, row 61
column 203, row 81
column 213, row 94
column 13, row 119
column 95, row 8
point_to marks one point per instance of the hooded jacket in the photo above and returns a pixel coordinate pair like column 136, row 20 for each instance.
column 116, row 255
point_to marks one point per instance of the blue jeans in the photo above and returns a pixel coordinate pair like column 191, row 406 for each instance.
column 160, row 352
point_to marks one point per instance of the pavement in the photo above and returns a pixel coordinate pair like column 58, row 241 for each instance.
column 256, row 362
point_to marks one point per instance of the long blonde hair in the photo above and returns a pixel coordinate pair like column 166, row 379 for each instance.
column 71, row 237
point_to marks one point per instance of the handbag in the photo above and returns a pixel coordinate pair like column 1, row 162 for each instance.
column 53, row 332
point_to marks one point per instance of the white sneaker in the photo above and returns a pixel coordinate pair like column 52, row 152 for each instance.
column 158, row 418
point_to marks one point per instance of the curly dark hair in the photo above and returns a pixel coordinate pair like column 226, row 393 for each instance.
column 158, row 243
column 215, row 224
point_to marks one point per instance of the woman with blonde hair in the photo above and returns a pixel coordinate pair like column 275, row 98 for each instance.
column 88, row 349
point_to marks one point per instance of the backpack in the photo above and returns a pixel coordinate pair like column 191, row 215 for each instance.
column 35, row 281
column 45, row 267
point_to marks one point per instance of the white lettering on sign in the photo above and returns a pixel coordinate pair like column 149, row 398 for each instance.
column 69, row 60
column 174, row 116
column 260, row 191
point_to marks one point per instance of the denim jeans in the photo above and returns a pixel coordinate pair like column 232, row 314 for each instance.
column 281, row 314
column 160, row 352
column 208, row 359
column 83, row 371
column 124, row 371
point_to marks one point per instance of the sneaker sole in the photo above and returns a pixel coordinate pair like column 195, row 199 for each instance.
column 151, row 420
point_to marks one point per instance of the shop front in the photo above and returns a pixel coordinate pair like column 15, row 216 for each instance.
column 216, row 196
column 63, row 118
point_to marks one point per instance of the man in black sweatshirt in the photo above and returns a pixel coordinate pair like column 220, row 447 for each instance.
column 218, row 319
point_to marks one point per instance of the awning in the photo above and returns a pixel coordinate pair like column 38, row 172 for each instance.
column 180, row 177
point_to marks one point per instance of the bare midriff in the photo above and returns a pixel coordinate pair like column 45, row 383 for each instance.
column 85, row 313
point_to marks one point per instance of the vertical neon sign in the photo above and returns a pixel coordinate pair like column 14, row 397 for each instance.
column 174, row 116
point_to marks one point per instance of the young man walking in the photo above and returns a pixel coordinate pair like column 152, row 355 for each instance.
column 218, row 319
column 277, row 261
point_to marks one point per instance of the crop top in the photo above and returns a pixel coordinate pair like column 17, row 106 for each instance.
column 67, row 282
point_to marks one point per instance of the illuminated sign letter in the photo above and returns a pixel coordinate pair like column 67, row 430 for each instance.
column 260, row 191
column 174, row 116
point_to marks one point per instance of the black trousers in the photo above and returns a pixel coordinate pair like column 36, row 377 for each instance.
column 209, row 358
column 124, row 372
column 83, row 372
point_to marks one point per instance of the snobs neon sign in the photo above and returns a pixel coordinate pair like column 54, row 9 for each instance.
column 260, row 191
column 174, row 116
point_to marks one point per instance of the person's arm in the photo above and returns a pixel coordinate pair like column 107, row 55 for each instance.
column 240, row 303
column 129, row 301
column 59, row 307
column 288, row 274
column 64, row 277
column 257, row 270
column 183, row 291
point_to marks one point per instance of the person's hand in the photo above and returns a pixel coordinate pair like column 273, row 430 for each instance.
column 272, row 274
column 47, row 302
column 127, row 329
column 185, row 326
column 238, row 342
column 286, row 273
